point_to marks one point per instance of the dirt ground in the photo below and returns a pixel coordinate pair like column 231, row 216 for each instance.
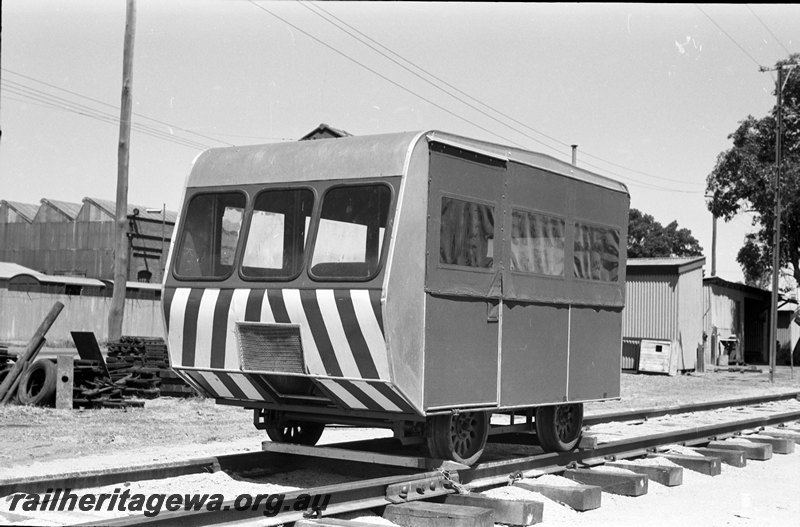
column 31, row 436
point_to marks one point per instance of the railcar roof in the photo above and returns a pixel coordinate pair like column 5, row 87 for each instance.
column 355, row 157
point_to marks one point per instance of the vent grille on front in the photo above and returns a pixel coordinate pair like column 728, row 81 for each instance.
column 265, row 347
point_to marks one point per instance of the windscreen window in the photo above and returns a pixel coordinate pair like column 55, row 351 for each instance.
column 596, row 253
column 210, row 235
column 277, row 235
column 351, row 231
column 466, row 237
column 537, row 243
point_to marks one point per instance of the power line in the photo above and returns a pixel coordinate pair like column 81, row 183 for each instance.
column 768, row 30
column 103, row 103
column 328, row 15
column 442, row 108
column 728, row 35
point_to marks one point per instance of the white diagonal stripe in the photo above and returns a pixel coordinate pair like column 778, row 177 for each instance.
column 294, row 308
column 205, row 329
column 177, row 314
column 215, row 384
column 333, row 324
column 371, row 331
column 246, row 386
column 345, row 396
column 235, row 314
column 377, row 396
column 266, row 310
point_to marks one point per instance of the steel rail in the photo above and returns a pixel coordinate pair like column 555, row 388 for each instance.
column 649, row 413
column 348, row 497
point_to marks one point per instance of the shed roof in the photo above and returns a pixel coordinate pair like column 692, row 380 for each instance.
column 25, row 210
column 110, row 207
column 324, row 131
column 677, row 265
column 70, row 210
column 720, row 282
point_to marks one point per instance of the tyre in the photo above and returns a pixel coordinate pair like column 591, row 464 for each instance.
column 559, row 427
column 458, row 437
column 297, row 433
column 37, row 386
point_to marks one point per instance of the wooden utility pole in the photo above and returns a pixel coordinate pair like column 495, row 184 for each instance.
column 117, row 310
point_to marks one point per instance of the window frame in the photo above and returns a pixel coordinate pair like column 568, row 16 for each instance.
column 179, row 246
column 311, row 230
column 318, row 218
column 496, row 247
column 579, row 221
column 568, row 263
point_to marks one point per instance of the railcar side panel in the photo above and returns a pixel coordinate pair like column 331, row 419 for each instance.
column 595, row 357
column 534, row 359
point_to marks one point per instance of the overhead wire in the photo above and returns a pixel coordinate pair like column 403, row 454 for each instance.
column 316, row 8
column 768, row 29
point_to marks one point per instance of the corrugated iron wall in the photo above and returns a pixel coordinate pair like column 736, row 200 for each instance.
column 82, row 248
column 23, row 312
column 651, row 307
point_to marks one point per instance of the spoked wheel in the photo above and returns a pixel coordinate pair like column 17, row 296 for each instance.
column 296, row 433
column 559, row 427
column 459, row 437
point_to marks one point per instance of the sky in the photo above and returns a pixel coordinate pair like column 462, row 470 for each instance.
column 648, row 92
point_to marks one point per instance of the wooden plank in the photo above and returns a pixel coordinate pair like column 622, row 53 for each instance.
column 578, row 497
column 734, row 458
column 507, row 512
column 758, row 452
column 65, row 371
column 361, row 455
column 710, row 466
column 429, row 514
column 612, row 482
column 780, row 445
column 665, row 475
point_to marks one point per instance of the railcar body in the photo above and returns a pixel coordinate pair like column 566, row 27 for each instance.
column 415, row 281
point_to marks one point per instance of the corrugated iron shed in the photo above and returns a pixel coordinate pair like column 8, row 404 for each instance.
column 16, row 212
column 664, row 301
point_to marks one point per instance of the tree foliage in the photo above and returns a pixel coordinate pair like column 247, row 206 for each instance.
column 742, row 180
column 647, row 238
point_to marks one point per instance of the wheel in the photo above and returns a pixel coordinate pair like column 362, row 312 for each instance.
column 296, row 433
column 559, row 427
column 459, row 437
column 37, row 386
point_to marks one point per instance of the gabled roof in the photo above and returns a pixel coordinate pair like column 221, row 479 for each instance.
column 323, row 131
column 70, row 210
column 721, row 282
column 26, row 211
column 664, row 265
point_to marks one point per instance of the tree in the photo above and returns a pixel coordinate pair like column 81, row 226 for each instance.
column 647, row 238
column 741, row 181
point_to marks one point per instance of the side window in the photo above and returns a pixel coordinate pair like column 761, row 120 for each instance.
column 210, row 235
column 596, row 253
column 351, row 231
column 277, row 235
column 467, row 233
column 537, row 243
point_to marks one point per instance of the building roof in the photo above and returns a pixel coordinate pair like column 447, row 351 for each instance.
column 323, row 131
column 664, row 265
column 25, row 210
column 70, row 210
column 721, row 282
column 9, row 271
column 110, row 207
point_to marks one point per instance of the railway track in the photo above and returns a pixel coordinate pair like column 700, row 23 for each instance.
column 377, row 473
